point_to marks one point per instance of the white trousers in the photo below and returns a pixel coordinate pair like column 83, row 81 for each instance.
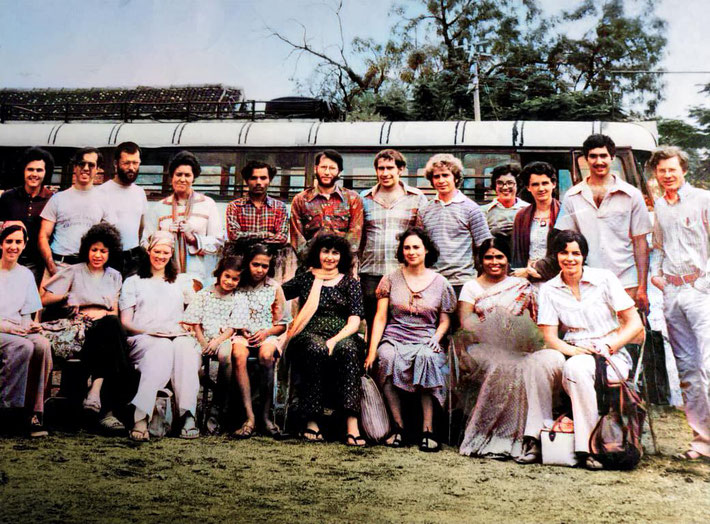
column 687, row 312
column 161, row 360
column 543, row 377
column 578, row 381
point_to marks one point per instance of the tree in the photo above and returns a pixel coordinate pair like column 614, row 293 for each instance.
column 529, row 67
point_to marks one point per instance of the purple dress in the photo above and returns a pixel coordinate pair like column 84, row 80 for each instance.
column 413, row 318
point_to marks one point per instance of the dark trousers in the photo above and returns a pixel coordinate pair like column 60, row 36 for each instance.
column 369, row 285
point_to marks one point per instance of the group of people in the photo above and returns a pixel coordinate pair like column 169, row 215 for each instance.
column 149, row 293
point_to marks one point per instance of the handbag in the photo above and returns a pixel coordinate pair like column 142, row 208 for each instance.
column 616, row 439
column 162, row 420
column 373, row 412
column 558, row 443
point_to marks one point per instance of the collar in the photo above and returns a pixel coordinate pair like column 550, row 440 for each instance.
column 518, row 204
column 243, row 201
column 313, row 192
column 371, row 192
column 43, row 193
column 684, row 190
column 618, row 185
column 590, row 275
column 458, row 197
column 196, row 197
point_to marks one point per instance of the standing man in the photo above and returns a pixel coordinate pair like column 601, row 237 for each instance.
column 454, row 222
column 390, row 208
column 257, row 216
column 326, row 207
column 500, row 213
column 682, row 234
column 26, row 202
column 127, row 202
column 70, row 213
column 612, row 216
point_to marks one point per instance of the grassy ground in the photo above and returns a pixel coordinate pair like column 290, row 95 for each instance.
column 88, row 478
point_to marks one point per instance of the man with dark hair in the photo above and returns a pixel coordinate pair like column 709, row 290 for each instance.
column 454, row 222
column 327, row 207
column 70, row 213
column 27, row 201
column 500, row 213
column 257, row 215
column 682, row 235
column 390, row 208
column 127, row 202
column 613, row 217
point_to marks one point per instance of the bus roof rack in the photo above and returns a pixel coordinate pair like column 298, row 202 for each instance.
column 186, row 103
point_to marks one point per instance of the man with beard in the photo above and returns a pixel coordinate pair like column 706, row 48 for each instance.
column 257, row 216
column 127, row 202
column 70, row 213
column 26, row 202
column 327, row 207
column 612, row 216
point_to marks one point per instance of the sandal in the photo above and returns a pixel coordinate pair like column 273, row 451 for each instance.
column 593, row 464
column 136, row 435
column 245, row 432
column 316, row 435
column 397, row 441
column 690, row 456
column 111, row 424
column 36, row 428
column 531, row 452
column 354, row 442
column 427, row 439
column 270, row 429
column 92, row 404
column 189, row 430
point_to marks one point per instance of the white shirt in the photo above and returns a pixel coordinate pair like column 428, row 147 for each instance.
column 158, row 304
column 19, row 294
column 609, row 227
column 128, row 204
column 73, row 212
column 593, row 316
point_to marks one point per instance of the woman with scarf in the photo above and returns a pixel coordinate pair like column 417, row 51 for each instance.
column 192, row 218
column 324, row 345
column 152, row 304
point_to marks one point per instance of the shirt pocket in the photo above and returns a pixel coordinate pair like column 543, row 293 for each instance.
column 616, row 221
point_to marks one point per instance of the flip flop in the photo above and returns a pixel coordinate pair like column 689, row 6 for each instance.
column 37, row 429
column 397, row 433
column 139, row 436
column 271, row 430
column 111, row 424
column 317, row 435
column 690, row 456
column 245, row 432
column 354, row 442
column 427, row 439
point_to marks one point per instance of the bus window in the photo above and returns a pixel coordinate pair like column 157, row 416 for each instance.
column 477, row 174
column 150, row 178
column 564, row 181
column 290, row 176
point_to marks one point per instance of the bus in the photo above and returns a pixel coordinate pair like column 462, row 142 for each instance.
column 224, row 147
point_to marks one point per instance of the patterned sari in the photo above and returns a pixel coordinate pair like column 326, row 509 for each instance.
column 498, row 349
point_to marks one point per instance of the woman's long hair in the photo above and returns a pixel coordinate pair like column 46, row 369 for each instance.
column 245, row 279
column 145, row 270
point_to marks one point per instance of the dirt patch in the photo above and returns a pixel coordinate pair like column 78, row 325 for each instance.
column 87, row 478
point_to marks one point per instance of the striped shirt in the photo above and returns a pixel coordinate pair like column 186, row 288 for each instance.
column 383, row 224
column 591, row 317
column 609, row 227
column 498, row 216
column 682, row 232
column 454, row 227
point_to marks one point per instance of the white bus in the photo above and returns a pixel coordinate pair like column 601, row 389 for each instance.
column 224, row 147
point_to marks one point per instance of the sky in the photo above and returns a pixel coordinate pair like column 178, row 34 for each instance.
column 125, row 43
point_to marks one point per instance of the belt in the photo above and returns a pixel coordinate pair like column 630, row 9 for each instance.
column 66, row 259
column 679, row 280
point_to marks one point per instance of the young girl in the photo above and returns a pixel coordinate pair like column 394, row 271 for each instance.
column 258, row 318
column 209, row 314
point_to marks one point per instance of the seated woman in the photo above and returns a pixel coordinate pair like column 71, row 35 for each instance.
column 533, row 230
column 94, row 332
column 418, row 302
column 324, row 346
column 597, row 317
column 258, row 319
column 25, row 355
column 509, row 413
column 208, row 314
column 152, row 304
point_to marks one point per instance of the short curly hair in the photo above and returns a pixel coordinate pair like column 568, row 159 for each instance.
column 444, row 160
column 330, row 241
column 109, row 236
column 432, row 251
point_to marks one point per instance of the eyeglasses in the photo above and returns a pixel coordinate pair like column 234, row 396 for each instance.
column 505, row 183
column 83, row 164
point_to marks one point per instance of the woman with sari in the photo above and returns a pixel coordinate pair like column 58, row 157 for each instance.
column 192, row 218
column 515, row 396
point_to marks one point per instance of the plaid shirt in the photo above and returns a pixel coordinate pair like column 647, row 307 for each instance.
column 246, row 221
column 383, row 225
column 312, row 211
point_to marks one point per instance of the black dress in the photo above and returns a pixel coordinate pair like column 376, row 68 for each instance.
column 332, row 381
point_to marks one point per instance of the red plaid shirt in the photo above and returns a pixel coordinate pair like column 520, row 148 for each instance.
column 269, row 222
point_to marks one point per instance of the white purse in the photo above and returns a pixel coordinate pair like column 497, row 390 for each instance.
column 558, row 443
